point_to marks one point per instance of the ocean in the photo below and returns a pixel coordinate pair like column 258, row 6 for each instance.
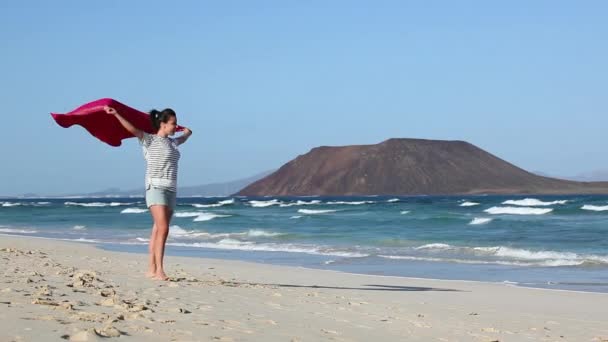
column 556, row 242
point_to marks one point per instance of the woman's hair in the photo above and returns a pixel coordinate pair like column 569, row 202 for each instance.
column 160, row 116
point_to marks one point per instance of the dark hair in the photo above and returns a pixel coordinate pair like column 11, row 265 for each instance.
column 160, row 116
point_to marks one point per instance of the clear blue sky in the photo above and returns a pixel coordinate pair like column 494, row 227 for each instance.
column 260, row 82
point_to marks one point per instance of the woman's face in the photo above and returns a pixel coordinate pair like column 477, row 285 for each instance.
column 169, row 126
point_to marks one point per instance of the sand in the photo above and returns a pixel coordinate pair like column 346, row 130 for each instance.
column 54, row 290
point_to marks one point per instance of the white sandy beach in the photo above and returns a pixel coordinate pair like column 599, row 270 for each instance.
column 53, row 290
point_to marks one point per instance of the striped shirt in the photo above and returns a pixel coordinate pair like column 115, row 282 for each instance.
column 161, row 156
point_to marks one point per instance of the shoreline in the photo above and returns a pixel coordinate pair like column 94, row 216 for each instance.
column 77, row 291
column 170, row 253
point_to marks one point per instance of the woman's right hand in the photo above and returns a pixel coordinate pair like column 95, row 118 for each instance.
column 110, row 110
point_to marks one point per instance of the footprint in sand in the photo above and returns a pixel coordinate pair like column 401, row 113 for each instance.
column 109, row 292
column 83, row 335
column 108, row 331
column 48, row 302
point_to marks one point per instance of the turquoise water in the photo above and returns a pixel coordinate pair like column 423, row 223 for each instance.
column 541, row 241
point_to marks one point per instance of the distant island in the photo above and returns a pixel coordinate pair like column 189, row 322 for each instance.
column 408, row 167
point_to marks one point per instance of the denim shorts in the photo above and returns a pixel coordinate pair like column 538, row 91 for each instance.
column 156, row 196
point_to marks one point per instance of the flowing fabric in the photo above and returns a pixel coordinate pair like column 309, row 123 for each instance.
column 103, row 126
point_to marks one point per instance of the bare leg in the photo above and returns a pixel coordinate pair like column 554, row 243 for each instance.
column 151, row 260
column 160, row 213
column 170, row 215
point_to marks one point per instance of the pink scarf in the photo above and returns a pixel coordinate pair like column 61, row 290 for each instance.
column 103, row 126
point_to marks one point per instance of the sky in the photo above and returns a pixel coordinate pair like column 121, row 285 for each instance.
column 261, row 82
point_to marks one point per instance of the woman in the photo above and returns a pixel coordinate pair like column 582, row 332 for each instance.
column 162, row 156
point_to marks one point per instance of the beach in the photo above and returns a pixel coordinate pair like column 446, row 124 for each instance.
column 54, row 290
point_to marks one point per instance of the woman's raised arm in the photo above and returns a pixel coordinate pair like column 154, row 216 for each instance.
column 126, row 124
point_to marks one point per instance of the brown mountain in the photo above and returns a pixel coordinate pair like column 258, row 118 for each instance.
column 408, row 167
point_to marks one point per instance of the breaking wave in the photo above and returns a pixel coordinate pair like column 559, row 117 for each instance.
column 532, row 202
column 178, row 232
column 17, row 231
column 214, row 205
column 518, row 210
column 232, row 244
column 208, row 216
column 187, row 214
column 10, row 204
column 502, row 255
column 350, row 203
column 134, row 211
column 264, row 204
column 594, row 207
column 299, row 203
column 480, row 220
column 96, row 204
column 314, row 212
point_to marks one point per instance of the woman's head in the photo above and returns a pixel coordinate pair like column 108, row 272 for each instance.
column 164, row 122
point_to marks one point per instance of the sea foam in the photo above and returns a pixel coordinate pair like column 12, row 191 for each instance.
column 480, row 220
column 299, row 203
column 214, row 205
column 187, row 214
column 518, row 211
column 594, row 207
column 263, row 204
column 350, row 203
column 532, row 202
column 96, row 204
column 208, row 216
column 18, row 231
column 134, row 211
column 261, row 233
column 314, row 212
column 233, row 244
column 435, row 246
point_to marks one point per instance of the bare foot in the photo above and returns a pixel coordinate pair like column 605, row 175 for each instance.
column 161, row 276
column 150, row 274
